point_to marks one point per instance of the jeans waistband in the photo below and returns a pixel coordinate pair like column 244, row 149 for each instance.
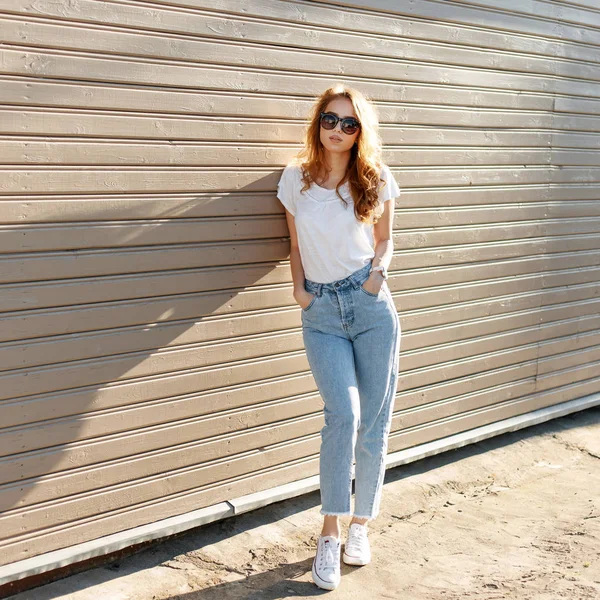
column 354, row 279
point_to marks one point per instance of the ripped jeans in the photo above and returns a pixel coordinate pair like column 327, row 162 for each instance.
column 352, row 343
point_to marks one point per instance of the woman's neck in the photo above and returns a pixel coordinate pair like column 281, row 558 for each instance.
column 338, row 165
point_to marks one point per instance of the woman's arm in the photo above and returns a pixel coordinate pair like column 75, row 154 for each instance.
column 383, row 239
column 296, row 267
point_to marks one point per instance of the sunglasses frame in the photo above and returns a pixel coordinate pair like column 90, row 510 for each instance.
column 337, row 120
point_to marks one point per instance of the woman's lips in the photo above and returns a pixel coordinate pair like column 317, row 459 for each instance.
column 334, row 138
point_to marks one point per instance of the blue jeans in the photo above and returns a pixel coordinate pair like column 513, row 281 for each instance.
column 352, row 343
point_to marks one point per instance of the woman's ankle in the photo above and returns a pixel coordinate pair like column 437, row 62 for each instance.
column 335, row 534
column 331, row 526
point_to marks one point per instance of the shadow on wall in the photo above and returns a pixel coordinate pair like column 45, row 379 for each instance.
column 126, row 351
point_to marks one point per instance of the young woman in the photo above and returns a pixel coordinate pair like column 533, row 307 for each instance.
column 339, row 205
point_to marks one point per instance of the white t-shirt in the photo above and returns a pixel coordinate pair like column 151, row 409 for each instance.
column 333, row 243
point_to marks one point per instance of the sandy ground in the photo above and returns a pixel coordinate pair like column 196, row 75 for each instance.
column 516, row 516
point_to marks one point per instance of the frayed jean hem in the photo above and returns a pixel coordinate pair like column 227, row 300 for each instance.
column 336, row 514
column 365, row 517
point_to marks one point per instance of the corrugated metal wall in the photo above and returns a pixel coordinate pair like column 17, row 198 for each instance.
column 151, row 353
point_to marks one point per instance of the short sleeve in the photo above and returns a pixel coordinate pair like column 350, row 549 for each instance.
column 390, row 189
column 286, row 189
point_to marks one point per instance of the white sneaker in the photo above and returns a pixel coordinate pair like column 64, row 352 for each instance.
column 357, row 550
column 326, row 564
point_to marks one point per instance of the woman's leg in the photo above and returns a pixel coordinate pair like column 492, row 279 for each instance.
column 331, row 359
column 376, row 356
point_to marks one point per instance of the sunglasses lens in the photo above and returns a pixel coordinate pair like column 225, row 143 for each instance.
column 328, row 121
column 350, row 127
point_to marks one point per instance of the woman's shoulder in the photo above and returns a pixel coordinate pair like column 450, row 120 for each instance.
column 293, row 168
column 389, row 188
column 385, row 171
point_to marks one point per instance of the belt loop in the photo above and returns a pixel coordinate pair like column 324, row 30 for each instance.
column 319, row 290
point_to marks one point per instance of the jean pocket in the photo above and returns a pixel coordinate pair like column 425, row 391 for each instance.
column 310, row 304
column 362, row 289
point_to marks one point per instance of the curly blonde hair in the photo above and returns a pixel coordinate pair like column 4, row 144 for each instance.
column 365, row 162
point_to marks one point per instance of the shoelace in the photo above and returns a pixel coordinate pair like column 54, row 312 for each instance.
column 357, row 539
column 327, row 555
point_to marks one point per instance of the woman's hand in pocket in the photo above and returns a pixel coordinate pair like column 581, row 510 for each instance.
column 303, row 298
column 373, row 283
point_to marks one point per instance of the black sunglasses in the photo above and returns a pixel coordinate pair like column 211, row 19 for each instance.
column 349, row 125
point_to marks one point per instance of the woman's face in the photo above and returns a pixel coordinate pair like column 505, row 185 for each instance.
column 343, row 108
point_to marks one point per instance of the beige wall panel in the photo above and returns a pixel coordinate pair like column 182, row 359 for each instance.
column 559, row 362
column 418, row 46
column 572, row 121
column 577, row 105
column 44, row 211
column 155, row 236
column 162, row 179
column 158, row 45
column 188, row 467
column 174, row 388
column 147, row 310
column 69, row 292
column 127, row 287
column 543, row 10
column 511, row 381
column 499, row 16
column 501, row 146
column 187, row 340
column 560, row 194
column 19, row 238
column 57, row 152
column 246, row 229
column 139, row 513
column 29, row 493
column 231, row 23
column 96, row 423
column 57, row 209
column 122, row 367
column 88, row 95
column 222, row 130
column 514, row 300
column 188, row 74
column 403, row 438
column 191, row 406
column 579, row 140
column 79, row 399
column 23, row 209
column 106, row 315
column 78, row 38
column 437, row 390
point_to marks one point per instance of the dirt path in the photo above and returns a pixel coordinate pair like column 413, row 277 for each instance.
column 517, row 517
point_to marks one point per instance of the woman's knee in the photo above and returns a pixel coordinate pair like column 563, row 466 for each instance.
column 344, row 422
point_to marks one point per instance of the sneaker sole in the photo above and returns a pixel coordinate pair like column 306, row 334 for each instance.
column 353, row 560
column 326, row 585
